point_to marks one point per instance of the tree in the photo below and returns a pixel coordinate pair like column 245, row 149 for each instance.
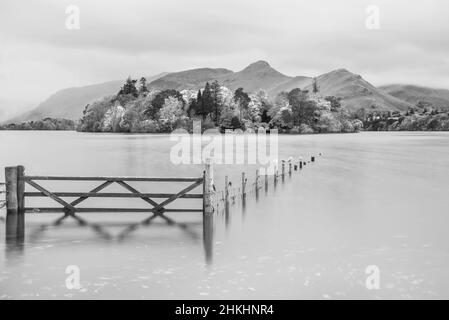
column 143, row 85
column 297, row 99
column 172, row 110
column 195, row 104
column 335, row 102
column 236, row 123
column 206, row 104
column 129, row 88
column 315, row 86
column 242, row 99
column 216, row 100
column 159, row 100
column 307, row 112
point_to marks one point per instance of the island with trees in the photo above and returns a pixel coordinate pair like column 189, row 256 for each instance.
column 139, row 109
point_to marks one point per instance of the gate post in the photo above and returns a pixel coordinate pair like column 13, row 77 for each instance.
column 208, row 210
column 207, row 188
column 15, row 203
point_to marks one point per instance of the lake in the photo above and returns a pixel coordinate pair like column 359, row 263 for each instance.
column 371, row 199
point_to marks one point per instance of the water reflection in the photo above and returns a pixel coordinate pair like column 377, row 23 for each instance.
column 208, row 237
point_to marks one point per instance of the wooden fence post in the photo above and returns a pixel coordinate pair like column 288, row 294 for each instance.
column 300, row 164
column 15, row 202
column 226, row 189
column 312, row 159
column 226, row 201
column 207, row 188
column 290, row 167
column 283, row 170
column 243, row 185
column 257, row 183
column 208, row 211
column 275, row 176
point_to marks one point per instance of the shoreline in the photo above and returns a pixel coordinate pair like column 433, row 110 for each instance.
column 268, row 132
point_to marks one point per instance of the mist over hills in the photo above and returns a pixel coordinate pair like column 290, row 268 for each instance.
column 355, row 91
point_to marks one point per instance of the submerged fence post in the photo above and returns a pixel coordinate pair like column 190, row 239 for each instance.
column 257, row 183
column 15, row 203
column 226, row 188
column 243, row 185
column 283, row 170
column 312, row 159
column 207, row 188
column 289, row 167
column 275, row 176
column 226, row 201
column 208, row 210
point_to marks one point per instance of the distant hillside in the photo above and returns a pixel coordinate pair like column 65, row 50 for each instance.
column 189, row 79
column 415, row 94
column 69, row 103
column 356, row 92
column 293, row 83
column 9, row 108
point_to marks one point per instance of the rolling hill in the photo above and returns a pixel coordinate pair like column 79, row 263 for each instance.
column 356, row 92
column 69, row 103
column 189, row 79
column 415, row 94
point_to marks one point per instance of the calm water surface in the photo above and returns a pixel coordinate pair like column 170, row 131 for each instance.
column 371, row 199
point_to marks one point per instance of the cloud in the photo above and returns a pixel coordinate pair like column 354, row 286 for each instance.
column 39, row 55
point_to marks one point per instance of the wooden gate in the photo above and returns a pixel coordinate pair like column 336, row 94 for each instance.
column 16, row 182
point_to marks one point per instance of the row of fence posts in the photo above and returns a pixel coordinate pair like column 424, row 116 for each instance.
column 211, row 204
column 213, row 199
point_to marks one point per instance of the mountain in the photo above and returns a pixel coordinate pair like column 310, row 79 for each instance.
column 69, row 103
column 353, row 89
column 356, row 92
column 415, row 94
column 259, row 75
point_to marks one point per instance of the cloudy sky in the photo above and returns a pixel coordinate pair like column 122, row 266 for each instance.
column 39, row 55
